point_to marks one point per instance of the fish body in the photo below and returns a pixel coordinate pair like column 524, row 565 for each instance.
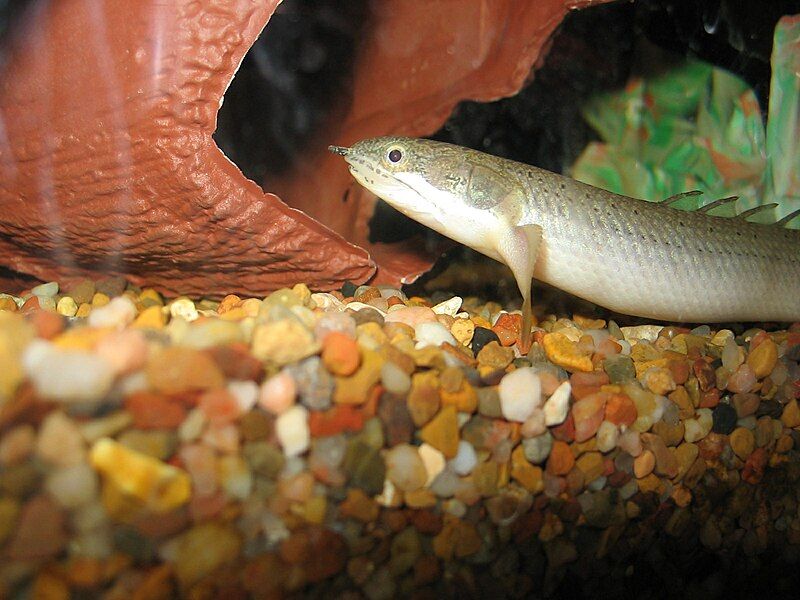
column 632, row 256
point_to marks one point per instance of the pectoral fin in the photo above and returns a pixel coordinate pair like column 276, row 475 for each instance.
column 519, row 249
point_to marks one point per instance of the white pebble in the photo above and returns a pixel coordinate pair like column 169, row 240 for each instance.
column 557, row 406
column 466, row 458
column 433, row 333
column 448, row 307
column 362, row 305
column 183, row 308
column 607, row 435
column 433, row 460
column 246, row 393
column 327, row 301
column 67, row 375
column 291, row 428
column 73, row 486
column 118, row 313
column 394, row 379
column 48, row 289
column 520, row 394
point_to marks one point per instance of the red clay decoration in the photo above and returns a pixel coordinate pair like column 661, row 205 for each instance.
column 108, row 166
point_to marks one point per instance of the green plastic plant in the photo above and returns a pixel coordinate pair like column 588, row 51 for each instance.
column 697, row 127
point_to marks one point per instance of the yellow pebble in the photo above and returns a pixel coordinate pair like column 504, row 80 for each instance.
column 481, row 322
column 67, row 307
column 314, row 509
column 463, row 330
column 151, row 296
column 528, row 475
column 100, row 299
column 150, row 318
column 564, row 353
column 158, row 486
column 301, row 291
column 762, row 360
column 251, row 307
column 234, row 314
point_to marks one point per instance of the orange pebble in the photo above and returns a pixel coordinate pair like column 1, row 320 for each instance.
column 340, row 354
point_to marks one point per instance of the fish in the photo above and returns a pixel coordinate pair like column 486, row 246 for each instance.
column 636, row 257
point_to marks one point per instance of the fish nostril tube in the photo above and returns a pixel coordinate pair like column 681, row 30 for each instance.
column 341, row 150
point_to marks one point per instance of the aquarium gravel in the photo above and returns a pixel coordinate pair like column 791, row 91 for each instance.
column 378, row 446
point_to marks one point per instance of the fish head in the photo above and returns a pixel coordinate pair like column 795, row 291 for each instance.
column 443, row 186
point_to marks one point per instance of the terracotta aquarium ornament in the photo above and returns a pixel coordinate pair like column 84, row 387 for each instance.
column 108, row 166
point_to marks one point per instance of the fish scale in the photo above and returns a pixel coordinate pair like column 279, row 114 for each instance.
column 631, row 256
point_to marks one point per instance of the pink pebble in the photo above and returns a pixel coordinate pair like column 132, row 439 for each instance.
column 630, row 442
column 535, row 425
column 125, row 351
column 206, row 507
column 588, row 413
column 201, row 463
column 742, row 380
column 220, row 406
column 278, row 393
column 411, row 315
column 224, row 438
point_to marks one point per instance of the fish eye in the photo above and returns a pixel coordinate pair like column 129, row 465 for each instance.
column 395, row 155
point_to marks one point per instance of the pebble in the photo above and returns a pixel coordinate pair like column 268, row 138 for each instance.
column 40, row 532
column 560, row 460
column 566, row 353
column 699, row 427
column 762, row 358
column 201, row 550
column 118, row 313
column 619, row 368
column 607, row 436
column 340, row 354
column 556, row 408
column 441, row 432
column 538, row 448
column 125, row 351
column 433, row 334
column 59, row 441
column 520, row 394
column 465, row 459
column 66, row 306
column 463, row 331
column 283, row 342
column 742, row 442
column 395, row 379
column 411, row 315
column 67, row 375
column 72, row 486
column 158, row 486
column 48, row 289
column 277, row 394
column 742, row 380
column 724, row 419
column 291, row 429
column 495, row 356
column 588, row 414
column 481, row 336
column 404, row 468
column 175, row 369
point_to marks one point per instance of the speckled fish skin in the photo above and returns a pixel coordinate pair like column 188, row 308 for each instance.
column 631, row 256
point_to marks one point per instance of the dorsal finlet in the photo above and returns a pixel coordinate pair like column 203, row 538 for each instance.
column 680, row 196
column 783, row 221
column 757, row 209
column 716, row 203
